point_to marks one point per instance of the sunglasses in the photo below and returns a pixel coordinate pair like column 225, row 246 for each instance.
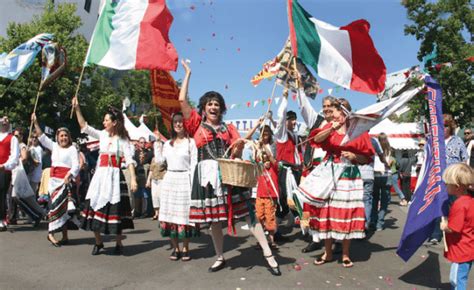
column 467, row 133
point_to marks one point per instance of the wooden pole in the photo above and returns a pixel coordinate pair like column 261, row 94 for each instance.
column 77, row 90
column 9, row 85
column 34, row 111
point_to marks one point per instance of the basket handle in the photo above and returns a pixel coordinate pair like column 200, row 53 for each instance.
column 252, row 144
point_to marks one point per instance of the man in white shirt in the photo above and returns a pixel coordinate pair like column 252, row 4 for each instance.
column 36, row 153
column 9, row 155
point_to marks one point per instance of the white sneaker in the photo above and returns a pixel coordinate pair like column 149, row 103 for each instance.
column 245, row 227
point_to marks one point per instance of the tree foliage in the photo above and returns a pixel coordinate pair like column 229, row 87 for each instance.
column 448, row 26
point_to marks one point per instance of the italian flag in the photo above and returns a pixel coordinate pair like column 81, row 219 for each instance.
column 133, row 34
column 343, row 55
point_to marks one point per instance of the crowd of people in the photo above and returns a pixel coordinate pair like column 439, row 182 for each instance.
column 344, row 187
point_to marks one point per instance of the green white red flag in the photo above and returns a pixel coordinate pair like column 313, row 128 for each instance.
column 133, row 34
column 343, row 55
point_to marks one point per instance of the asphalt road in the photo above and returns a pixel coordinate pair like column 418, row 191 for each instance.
column 29, row 261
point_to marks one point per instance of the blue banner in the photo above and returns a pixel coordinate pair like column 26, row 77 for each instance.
column 19, row 59
column 430, row 199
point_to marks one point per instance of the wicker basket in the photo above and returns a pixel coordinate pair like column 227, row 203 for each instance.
column 239, row 173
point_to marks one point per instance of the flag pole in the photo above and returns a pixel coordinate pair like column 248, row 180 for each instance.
column 77, row 89
column 443, row 218
column 9, row 85
column 34, row 112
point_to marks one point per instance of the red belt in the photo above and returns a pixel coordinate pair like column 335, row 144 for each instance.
column 106, row 160
column 58, row 171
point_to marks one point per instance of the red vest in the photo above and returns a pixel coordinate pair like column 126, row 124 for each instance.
column 286, row 151
column 5, row 147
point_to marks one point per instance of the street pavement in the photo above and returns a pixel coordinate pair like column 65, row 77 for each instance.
column 28, row 261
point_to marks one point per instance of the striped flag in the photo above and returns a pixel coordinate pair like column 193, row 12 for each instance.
column 133, row 34
column 343, row 55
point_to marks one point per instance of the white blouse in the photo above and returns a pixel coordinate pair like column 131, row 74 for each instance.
column 181, row 156
column 61, row 157
column 111, row 145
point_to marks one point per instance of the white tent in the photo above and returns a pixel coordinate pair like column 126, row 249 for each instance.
column 400, row 135
column 135, row 132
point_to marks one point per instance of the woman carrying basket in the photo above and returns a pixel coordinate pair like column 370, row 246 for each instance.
column 211, row 201
column 335, row 186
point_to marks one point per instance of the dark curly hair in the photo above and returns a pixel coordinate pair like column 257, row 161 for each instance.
column 116, row 115
column 212, row 96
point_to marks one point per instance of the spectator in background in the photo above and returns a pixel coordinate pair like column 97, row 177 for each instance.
column 382, row 184
column 395, row 175
column 143, row 157
column 468, row 136
column 455, row 149
column 36, row 152
column 469, row 142
column 406, row 164
column 420, row 156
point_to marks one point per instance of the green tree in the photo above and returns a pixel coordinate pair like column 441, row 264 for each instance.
column 97, row 90
column 448, row 26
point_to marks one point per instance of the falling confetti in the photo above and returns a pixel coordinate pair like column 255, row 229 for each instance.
column 203, row 49
column 299, row 283
column 380, row 277
column 231, row 38
column 242, row 279
column 238, row 49
column 328, row 282
column 342, row 277
column 213, row 34
column 338, row 284
column 188, row 39
column 192, row 7
column 226, row 87
column 297, row 267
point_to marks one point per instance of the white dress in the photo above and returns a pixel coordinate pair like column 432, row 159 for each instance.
column 175, row 195
column 155, row 183
column 63, row 161
column 105, row 184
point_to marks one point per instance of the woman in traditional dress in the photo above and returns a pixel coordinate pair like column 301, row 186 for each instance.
column 64, row 169
column 107, row 207
column 180, row 155
column 211, row 201
column 340, row 212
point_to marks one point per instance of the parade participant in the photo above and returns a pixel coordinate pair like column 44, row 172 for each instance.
column 64, row 169
column 289, row 156
column 459, row 227
column 180, row 155
column 22, row 194
column 267, row 195
column 339, row 214
column 155, row 176
column 212, row 202
column 107, row 207
column 313, row 155
column 9, row 155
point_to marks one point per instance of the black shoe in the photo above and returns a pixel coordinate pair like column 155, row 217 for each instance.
column 96, row 249
column 280, row 238
column 337, row 248
column 275, row 271
column 64, row 242
column 36, row 223
column 311, row 247
column 218, row 267
column 118, row 250
column 55, row 244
